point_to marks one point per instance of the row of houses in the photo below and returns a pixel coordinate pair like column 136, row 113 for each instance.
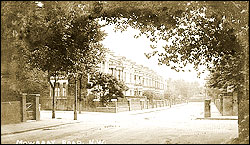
column 137, row 78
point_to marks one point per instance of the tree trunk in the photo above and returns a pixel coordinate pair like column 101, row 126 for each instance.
column 75, row 104
column 243, row 117
column 53, row 101
column 53, row 94
column 80, row 93
column 243, row 107
column 243, row 100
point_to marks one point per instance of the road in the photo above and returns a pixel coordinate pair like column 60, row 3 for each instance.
column 175, row 125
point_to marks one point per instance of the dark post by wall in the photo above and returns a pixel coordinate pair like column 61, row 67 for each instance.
column 37, row 109
column 23, row 107
column 207, row 108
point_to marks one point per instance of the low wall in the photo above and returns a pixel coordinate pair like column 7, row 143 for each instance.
column 61, row 104
column 11, row 112
column 228, row 105
column 122, row 105
column 135, row 105
column 106, row 109
column 196, row 100
column 122, row 109
column 219, row 105
column 235, row 104
column 159, row 103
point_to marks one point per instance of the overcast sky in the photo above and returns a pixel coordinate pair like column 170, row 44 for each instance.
column 124, row 44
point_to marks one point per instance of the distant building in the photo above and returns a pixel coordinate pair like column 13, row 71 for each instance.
column 137, row 77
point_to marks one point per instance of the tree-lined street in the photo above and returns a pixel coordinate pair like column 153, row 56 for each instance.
column 178, row 124
column 43, row 43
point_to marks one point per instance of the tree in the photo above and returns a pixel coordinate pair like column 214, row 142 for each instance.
column 212, row 34
column 58, row 38
column 18, row 76
column 150, row 95
column 206, row 33
column 106, row 86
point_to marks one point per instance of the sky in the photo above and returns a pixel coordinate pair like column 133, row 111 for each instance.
column 124, row 44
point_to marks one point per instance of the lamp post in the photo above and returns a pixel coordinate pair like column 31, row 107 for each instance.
column 80, row 92
column 75, row 102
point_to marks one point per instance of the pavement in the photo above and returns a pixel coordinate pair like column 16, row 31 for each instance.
column 32, row 125
column 62, row 119
column 216, row 115
column 178, row 124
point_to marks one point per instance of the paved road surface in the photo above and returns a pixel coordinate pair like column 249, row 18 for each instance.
column 163, row 126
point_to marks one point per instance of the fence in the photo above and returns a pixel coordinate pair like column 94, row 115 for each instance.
column 121, row 105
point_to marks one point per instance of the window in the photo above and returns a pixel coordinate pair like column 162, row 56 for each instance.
column 119, row 75
column 50, row 89
column 57, row 90
column 124, row 76
column 103, row 66
column 111, row 71
column 64, row 89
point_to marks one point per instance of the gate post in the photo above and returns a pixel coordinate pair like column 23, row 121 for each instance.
column 141, row 104
column 116, row 107
column 116, row 104
column 129, row 105
column 37, row 110
column 23, row 102
column 147, row 104
column 207, row 108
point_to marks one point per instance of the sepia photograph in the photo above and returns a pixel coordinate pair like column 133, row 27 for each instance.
column 124, row 72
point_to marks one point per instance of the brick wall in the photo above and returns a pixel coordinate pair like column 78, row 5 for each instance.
column 228, row 105
column 61, row 104
column 11, row 112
